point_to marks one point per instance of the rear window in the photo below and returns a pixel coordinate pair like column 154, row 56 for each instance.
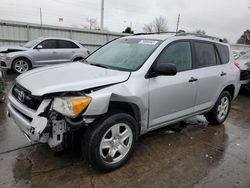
column 205, row 54
column 66, row 44
column 223, row 53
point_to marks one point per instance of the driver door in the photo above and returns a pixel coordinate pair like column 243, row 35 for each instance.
column 172, row 97
column 47, row 54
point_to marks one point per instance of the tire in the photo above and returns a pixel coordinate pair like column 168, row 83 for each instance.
column 78, row 59
column 101, row 145
column 218, row 114
column 21, row 65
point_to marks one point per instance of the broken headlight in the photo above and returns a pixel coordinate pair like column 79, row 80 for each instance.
column 70, row 106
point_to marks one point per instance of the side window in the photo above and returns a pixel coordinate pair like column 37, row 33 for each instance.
column 48, row 44
column 66, row 44
column 179, row 54
column 205, row 54
column 223, row 52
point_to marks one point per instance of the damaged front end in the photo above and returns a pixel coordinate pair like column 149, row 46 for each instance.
column 42, row 121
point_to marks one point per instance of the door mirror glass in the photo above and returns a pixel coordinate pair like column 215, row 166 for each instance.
column 39, row 47
column 165, row 69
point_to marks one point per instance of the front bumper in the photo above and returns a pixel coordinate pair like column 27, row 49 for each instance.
column 5, row 63
column 29, row 121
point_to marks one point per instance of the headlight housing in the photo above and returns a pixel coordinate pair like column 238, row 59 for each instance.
column 70, row 106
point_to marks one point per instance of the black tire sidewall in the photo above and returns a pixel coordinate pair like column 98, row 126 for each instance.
column 97, row 134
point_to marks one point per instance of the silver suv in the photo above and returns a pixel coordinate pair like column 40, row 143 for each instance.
column 127, row 88
column 41, row 52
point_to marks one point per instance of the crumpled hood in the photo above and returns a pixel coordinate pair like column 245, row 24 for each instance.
column 69, row 77
column 8, row 49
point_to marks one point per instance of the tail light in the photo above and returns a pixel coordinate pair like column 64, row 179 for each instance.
column 237, row 65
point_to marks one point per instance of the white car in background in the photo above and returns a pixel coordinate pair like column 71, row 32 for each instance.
column 41, row 52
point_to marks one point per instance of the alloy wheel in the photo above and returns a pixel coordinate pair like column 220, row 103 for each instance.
column 116, row 143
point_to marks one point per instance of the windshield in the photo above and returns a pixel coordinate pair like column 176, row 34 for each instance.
column 246, row 56
column 127, row 54
column 32, row 43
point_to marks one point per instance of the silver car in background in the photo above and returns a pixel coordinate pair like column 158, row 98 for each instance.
column 41, row 52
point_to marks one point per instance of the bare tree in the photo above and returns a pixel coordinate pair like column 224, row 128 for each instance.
column 148, row 28
column 92, row 24
column 159, row 24
column 200, row 32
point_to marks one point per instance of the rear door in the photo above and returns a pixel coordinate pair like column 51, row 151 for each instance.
column 66, row 50
column 210, row 73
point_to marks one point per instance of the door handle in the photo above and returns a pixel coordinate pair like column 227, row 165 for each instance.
column 223, row 74
column 192, row 79
column 54, row 52
column 73, row 51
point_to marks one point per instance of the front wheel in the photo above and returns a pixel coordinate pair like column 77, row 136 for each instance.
column 110, row 142
column 218, row 114
column 21, row 65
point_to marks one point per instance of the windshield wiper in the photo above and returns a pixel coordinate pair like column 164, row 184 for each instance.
column 95, row 64
column 105, row 66
column 99, row 65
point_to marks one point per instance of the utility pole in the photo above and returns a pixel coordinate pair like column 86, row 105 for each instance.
column 102, row 14
column 41, row 21
column 41, row 17
column 178, row 23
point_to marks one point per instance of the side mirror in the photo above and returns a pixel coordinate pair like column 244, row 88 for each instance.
column 166, row 69
column 39, row 47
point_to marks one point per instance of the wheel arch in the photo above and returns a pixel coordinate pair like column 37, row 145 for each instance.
column 130, row 108
column 231, row 89
column 22, row 57
column 77, row 58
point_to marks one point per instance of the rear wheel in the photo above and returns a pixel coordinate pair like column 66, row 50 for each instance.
column 110, row 142
column 78, row 59
column 218, row 114
column 21, row 65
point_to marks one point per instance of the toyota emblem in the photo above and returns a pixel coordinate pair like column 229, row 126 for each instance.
column 21, row 96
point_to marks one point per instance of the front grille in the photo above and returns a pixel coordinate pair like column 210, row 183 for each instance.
column 25, row 97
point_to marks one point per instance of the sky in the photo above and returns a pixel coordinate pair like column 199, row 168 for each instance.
column 221, row 18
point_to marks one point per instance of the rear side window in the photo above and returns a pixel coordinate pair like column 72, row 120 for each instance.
column 66, row 44
column 223, row 53
column 48, row 44
column 178, row 53
column 205, row 54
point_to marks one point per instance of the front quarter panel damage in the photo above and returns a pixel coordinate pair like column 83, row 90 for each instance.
column 127, row 92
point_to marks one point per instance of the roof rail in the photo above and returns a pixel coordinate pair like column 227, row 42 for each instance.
column 200, row 35
column 168, row 32
column 183, row 33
